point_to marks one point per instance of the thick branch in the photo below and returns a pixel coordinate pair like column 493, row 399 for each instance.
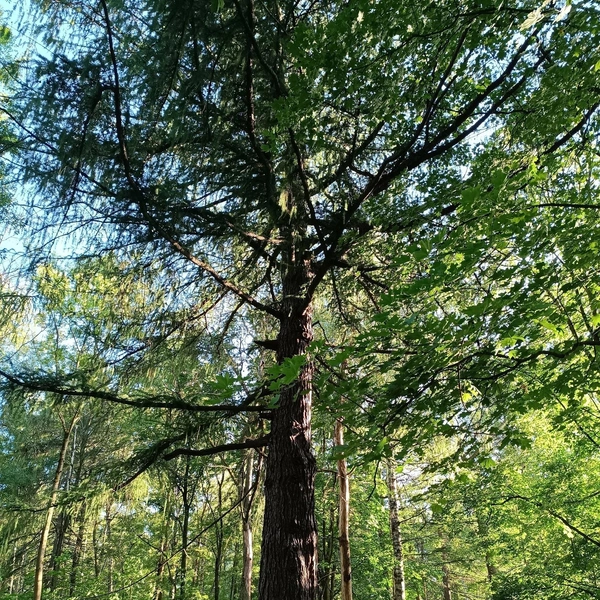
column 258, row 443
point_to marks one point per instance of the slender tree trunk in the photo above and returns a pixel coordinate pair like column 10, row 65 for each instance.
column 217, row 564
column 63, row 521
column 399, row 592
column 184, row 529
column 344, row 514
column 218, row 542
column 160, row 568
column 173, row 573
column 96, row 549
column 108, row 548
column 446, row 581
column 289, row 547
column 327, row 571
column 446, row 576
column 234, row 579
column 482, row 528
column 248, row 558
column 248, row 551
column 492, row 570
column 164, row 540
column 77, row 550
column 20, row 581
column 184, row 553
column 61, row 527
column 79, row 547
column 420, row 550
column 13, row 570
column 38, row 582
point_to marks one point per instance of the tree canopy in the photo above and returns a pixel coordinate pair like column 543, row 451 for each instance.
column 247, row 221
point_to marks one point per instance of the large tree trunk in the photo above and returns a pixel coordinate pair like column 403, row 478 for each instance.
column 344, row 514
column 399, row 579
column 38, row 582
column 289, row 548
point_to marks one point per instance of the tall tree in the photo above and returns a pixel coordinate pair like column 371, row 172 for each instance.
column 68, row 426
column 344, row 516
column 399, row 590
column 252, row 152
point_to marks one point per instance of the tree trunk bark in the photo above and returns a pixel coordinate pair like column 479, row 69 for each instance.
column 234, row 579
column 289, row 547
column 77, row 550
column 344, row 514
column 219, row 536
column 13, row 570
column 96, row 549
column 38, row 582
column 248, row 552
column 482, row 528
column 399, row 592
column 108, row 550
column 185, row 527
column 62, row 525
column 446, row 578
column 164, row 540
column 326, row 569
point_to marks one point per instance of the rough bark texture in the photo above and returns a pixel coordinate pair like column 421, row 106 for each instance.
column 289, row 548
column 399, row 578
column 344, row 514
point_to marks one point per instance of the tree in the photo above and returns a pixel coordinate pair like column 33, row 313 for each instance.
column 254, row 153
column 399, row 577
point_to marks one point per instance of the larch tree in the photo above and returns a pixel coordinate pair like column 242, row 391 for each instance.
column 254, row 153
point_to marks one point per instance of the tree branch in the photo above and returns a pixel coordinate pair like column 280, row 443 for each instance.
column 161, row 401
column 140, row 196
column 257, row 443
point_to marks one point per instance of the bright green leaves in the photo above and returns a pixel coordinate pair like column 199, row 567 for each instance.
column 287, row 372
